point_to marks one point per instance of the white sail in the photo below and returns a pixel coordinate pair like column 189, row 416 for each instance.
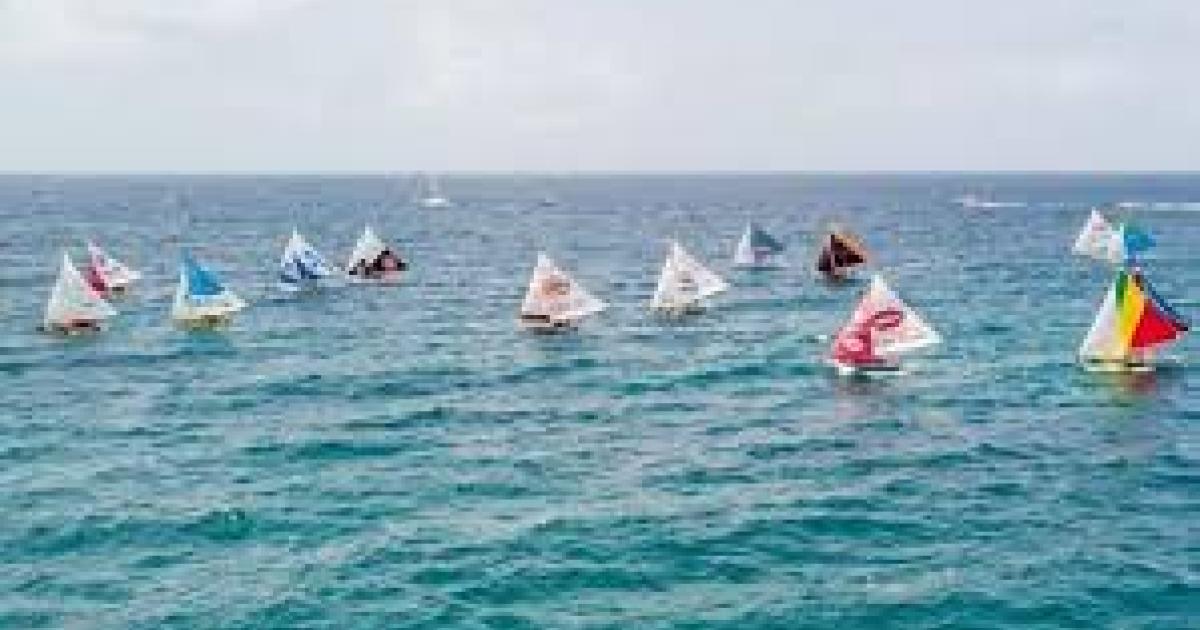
column 1102, row 341
column 904, row 333
column 554, row 294
column 1098, row 239
column 73, row 300
column 367, row 249
column 744, row 257
column 684, row 281
column 115, row 273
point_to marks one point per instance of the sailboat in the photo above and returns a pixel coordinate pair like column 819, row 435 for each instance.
column 301, row 266
column 74, row 306
column 554, row 300
column 201, row 300
column 841, row 251
column 1132, row 323
column 684, row 283
column 431, row 195
column 758, row 249
column 373, row 261
column 106, row 274
column 1098, row 239
column 881, row 328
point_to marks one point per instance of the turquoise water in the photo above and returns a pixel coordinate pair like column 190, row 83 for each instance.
column 405, row 458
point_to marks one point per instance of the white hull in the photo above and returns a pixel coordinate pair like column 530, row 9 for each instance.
column 433, row 203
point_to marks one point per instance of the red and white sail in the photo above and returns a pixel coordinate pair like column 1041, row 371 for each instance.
column 881, row 326
column 106, row 271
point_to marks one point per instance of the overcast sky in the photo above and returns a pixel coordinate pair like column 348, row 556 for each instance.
column 564, row 85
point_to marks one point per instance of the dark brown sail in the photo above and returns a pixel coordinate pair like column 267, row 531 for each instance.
column 841, row 251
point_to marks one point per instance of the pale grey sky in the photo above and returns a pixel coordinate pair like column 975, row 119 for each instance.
column 563, row 85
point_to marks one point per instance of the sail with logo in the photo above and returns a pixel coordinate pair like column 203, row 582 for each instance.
column 107, row 275
column 201, row 299
column 757, row 249
column 554, row 301
column 302, row 267
column 881, row 328
column 74, row 306
column 374, row 261
column 684, row 283
column 1133, row 322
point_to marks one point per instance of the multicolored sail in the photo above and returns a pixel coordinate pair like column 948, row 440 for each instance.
column 301, row 265
column 372, row 259
column 73, row 303
column 554, row 298
column 200, row 297
column 881, row 327
column 840, row 252
column 1133, row 320
column 757, row 248
column 684, row 282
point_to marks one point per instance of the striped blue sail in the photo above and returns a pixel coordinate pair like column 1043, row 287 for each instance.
column 301, row 265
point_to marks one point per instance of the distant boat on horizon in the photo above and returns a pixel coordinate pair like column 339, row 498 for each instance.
column 971, row 201
column 430, row 195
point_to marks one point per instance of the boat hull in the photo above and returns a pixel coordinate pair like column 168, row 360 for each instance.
column 73, row 328
column 879, row 368
column 205, row 322
column 1117, row 367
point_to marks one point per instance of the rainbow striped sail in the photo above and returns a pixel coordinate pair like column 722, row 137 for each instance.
column 1132, row 322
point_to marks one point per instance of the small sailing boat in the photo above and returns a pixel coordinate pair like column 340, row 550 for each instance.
column 841, row 251
column 554, row 300
column 431, row 196
column 1133, row 322
column 201, row 300
column 301, row 266
column 757, row 249
column 1098, row 239
column 684, row 283
column 881, row 328
column 74, row 306
column 373, row 260
column 106, row 274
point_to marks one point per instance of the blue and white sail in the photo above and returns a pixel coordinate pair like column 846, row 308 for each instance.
column 201, row 297
column 301, row 265
column 757, row 248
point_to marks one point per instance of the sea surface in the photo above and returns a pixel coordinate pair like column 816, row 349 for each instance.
column 404, row 457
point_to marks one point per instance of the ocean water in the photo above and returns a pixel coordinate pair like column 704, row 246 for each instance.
column 404, row 457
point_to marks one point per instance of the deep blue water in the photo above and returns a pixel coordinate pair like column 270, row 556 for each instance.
column 405, row 458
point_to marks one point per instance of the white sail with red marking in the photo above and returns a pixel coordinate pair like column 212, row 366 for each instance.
column 881, row 326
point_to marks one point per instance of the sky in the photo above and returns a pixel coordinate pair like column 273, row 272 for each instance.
column 598, row 85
